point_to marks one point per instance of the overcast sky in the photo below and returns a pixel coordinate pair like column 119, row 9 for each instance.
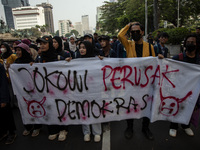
column 72, row 10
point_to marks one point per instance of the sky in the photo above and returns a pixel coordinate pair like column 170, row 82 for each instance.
column 72, row 10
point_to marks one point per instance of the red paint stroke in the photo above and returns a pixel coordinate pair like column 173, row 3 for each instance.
column 35, row 108
column 65, row 91
column 51, row 92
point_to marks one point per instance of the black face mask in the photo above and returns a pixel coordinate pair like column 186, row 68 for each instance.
column 136, row 36
column 190, row 47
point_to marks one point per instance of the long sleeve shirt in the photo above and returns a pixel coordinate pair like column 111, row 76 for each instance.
column 130, row 45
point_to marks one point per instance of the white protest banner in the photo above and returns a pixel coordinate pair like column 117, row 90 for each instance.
column 87, row 91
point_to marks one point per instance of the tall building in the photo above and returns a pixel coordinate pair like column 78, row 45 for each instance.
column 28, row 17
column 8, row 5
column 99, row 13
column 85, row 23
column 2, row 13
column 64, row 27
column 78, row 27
column 48, row 16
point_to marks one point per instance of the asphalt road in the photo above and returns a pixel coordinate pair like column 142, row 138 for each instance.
column 111, row 140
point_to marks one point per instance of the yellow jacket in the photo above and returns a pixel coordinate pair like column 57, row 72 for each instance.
column 11, row 59
column 1, row 61
column 130, row 45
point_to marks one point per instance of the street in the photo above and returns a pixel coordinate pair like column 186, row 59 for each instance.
column 111, row 140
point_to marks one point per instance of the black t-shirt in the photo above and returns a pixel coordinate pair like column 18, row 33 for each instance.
column 187, row 59
column 190, row 60
column 139, row 49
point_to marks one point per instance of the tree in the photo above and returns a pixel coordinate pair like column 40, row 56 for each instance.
column 34, row 32
column 109, row 20
column 75, row 32
column 56, row 33
column 68, row 35
column 187, row 9
column 117, row 15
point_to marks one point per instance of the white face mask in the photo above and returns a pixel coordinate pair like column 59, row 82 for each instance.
column 3, row 50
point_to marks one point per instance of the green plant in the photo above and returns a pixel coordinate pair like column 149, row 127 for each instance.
column 176, row 35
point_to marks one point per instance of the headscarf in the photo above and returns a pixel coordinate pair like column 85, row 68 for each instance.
column 26, row 57
column 89, row 49
column 60, row 44
column 8, row 52
column 72, row 47
column 49, row 55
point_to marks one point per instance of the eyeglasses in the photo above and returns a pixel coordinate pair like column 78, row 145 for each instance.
column 135, row 31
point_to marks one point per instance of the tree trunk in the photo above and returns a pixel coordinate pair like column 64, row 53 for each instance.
column 155, row 14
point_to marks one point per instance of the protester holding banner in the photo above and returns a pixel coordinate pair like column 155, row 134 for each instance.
column 87, row 51
column 58, row 45
column 136, row 48
column 48, row 51
column 48, row 55
column 7, row 56
column 106, row 50
column 160, row 47
column 191, row 55
column 23, row 54
column 24, row 57
column 89, row 37
column 62, row 55
column 71, row 47
column 7, row 125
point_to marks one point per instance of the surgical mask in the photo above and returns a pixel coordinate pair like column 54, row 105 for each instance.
column 190, row 47
column 2, row 50
column 136, row 36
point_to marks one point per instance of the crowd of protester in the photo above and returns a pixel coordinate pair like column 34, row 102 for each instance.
column 49, row 49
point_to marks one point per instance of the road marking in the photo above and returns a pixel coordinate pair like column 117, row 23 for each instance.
column 106, row 140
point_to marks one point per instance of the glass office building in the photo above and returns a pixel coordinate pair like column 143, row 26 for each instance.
column 8, row 5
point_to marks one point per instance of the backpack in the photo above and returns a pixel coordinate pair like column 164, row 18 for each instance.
column 150, row 52
column 180, row 56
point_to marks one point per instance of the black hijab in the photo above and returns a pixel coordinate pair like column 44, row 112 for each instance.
column 60, row 44
column 49, row 55
column 89, row 49
column 8, row 52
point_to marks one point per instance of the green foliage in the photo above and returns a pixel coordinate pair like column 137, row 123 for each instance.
column 27, row 33
column 116, row 15
column 56, row 33
column 176, row 35
column 109, row 18
column 75, row 32
column 68, row 35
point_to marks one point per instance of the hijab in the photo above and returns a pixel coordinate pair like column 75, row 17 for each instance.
column 72, row 47
column 49, row 55
column 60, row 44
column 8, row 52
column 89, row 49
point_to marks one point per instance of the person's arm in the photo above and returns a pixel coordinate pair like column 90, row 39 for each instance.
column 176, row 57
column 68, row 59
column 1, row 61
column 121, row 36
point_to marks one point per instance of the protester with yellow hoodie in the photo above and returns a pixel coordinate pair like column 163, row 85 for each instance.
column 7, row 56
